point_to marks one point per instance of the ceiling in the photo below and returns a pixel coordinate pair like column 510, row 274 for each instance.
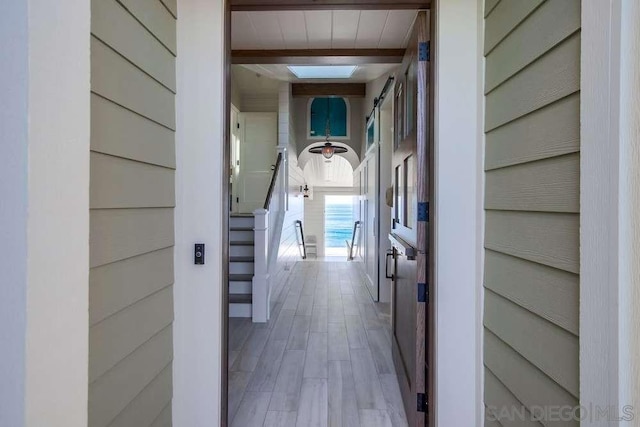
column 321, row 29
column 256, row 82
column 362, row 74
column 337, row 172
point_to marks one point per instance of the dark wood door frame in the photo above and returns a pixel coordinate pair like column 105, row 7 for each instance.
column 318, row 56
column 426, row 225
column 224, row 271
column 430, row 229
column 262, row 5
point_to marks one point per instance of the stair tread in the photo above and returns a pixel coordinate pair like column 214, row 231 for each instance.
column 241, row 228
column 240, row 277
column 242, row 259
column 240, row 298
column 242, row 243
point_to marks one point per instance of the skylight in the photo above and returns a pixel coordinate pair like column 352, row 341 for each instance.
column 322, row 71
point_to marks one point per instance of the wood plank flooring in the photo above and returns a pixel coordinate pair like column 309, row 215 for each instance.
column 324, row 358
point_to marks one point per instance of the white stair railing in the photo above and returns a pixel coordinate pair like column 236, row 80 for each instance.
column 261, row 286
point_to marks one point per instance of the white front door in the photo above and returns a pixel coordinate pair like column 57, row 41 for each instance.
column 258, row 141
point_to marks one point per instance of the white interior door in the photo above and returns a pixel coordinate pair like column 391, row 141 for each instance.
column 371, row 225
column 235, row 157
column 384, row 182
column 258, row 141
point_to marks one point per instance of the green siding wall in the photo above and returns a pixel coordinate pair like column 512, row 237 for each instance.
column 532, row 170
column 133, row 85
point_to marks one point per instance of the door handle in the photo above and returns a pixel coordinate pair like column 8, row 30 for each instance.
column 386, row 265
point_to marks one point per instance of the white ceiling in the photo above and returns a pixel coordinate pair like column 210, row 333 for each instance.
column 321, row 29
column 362, row 74
column 253, row 81
column 337, row 172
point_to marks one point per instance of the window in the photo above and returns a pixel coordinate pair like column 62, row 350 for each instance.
column 322, row 71
column 371, row 130
column 331, row 113
column 410, row 100
column 410, row 194
column 399, row 116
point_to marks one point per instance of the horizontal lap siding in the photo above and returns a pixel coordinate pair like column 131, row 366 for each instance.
column 532, row 189
column 133, row 84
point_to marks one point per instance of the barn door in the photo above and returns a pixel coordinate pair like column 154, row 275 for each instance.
column 409, row 233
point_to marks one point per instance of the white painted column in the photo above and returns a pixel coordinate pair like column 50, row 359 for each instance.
column 44, row 213
column 610, row 214
column 629, row 261
column 14, row 69
column 458, row 212
column 199, row 218
column 261, row 286
column 599, row 206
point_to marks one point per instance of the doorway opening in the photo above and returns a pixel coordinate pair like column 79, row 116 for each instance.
column 318, row 153
column 338, row 224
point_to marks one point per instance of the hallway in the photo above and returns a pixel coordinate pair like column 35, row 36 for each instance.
column 324, row 359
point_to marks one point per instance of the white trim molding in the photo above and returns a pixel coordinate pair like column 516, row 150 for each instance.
column 458, row 211
column 200, row 177
column 599, row 204
column 44, row 213
column 609, row 198
column 629, row 200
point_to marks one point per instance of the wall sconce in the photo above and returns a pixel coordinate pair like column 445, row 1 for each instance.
column 305, row 190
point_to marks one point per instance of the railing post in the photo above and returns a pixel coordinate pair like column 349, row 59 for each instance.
column 261, row 286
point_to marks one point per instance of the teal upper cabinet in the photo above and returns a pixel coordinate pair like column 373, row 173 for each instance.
column 331, row 112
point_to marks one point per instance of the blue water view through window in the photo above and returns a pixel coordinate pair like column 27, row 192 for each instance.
column 338, row 224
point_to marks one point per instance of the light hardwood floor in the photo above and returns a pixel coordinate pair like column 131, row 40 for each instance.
column 324, row 358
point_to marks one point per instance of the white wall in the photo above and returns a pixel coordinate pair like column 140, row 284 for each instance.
column 14, row 39
column 629, row 203
column 236, row 95
column 291, row 209
column 198, row 214
column 288, row 250
column 458, row 212
column 44, row 249
column 258, row 103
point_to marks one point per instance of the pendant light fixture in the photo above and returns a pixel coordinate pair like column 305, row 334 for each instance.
column 327, row 150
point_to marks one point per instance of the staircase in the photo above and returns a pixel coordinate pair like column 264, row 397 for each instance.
column 241, row 264
column 249, row 279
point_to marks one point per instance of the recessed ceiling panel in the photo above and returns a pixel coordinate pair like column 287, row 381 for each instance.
column 370, row 28
column 321, row 29
column 294, row 30
column 344, row 29
column 397, row 28
column 268, row 30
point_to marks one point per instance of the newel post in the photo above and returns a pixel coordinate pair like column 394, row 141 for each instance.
column 261, row 283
